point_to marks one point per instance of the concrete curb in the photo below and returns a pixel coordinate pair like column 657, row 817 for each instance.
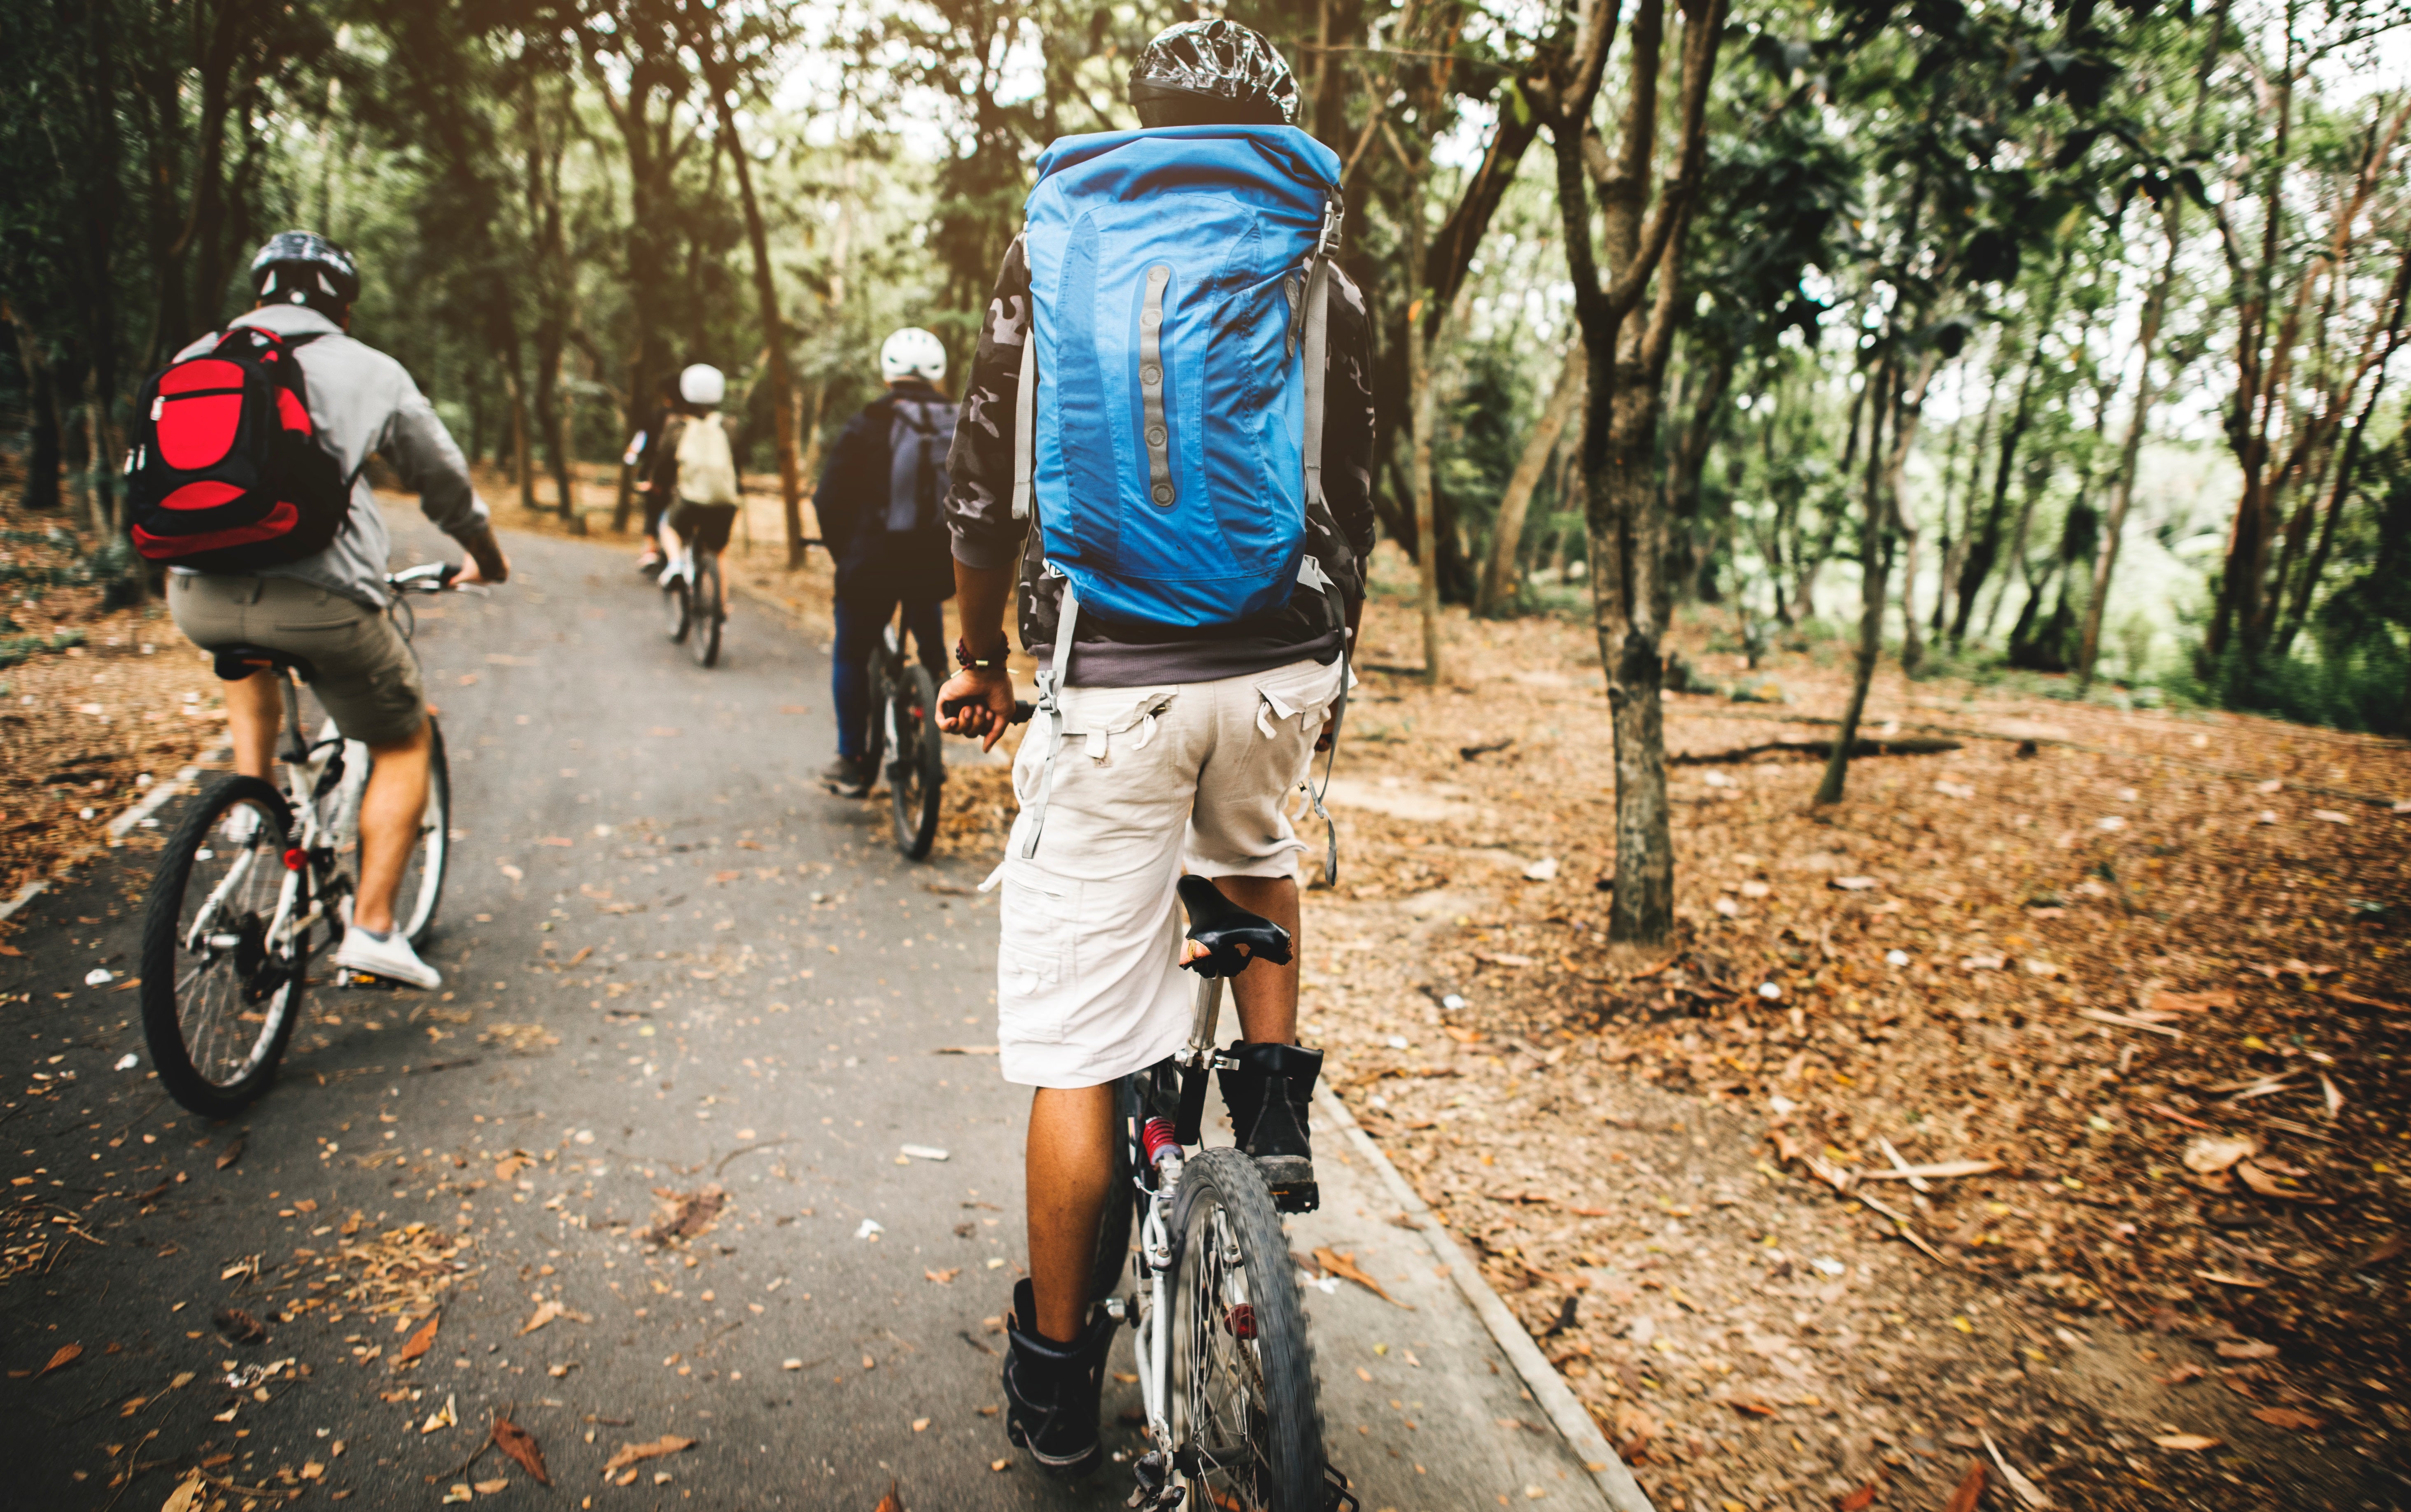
column 1549, row 1389
column 151, row 803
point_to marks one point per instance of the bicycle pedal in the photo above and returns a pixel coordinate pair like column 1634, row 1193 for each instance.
column 349, row 977
column 1338, row 1497
column 1298, row 1197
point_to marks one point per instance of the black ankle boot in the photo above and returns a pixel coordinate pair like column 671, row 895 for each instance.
column 1268, row 1096
column 1051, row 1389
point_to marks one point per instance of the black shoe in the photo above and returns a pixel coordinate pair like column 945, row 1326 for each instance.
column 1269, row 1095
column 1051, row 1389
column 848, row 776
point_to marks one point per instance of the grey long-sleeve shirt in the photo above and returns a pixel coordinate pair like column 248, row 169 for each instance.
column 363, row 402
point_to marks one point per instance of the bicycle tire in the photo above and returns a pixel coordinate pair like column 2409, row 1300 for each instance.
column 182, row 1012
column 916, row 778
column 675, row 615
column 874, row 738
column 1227, row 1238
column 710, row 610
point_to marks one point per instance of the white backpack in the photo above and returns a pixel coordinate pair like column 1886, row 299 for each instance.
column 706, row 468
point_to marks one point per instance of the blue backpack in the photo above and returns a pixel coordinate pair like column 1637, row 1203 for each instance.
column 1169, row 428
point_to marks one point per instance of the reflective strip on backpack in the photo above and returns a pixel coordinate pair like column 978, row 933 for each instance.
column 1025, row 417
column 1317, row 294
column 1150, row 387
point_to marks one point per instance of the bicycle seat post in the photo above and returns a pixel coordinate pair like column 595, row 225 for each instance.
column 1208, row 1024
column 289, row 694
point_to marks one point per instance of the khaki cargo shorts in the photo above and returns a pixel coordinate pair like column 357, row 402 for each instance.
column 1152, row 782
column 366, row 677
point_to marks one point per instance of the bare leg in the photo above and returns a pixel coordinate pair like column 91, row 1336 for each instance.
column 1069, row 1167
column 1266, row 994
column 669, row 540
column 254, row 714
column 390, row 809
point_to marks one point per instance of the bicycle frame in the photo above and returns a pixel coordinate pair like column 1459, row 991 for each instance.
column 313, row 770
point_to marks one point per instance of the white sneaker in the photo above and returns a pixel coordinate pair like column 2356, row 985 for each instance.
column 391, row 958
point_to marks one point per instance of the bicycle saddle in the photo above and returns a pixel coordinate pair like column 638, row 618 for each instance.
column 233, row 664
column 1223, row 926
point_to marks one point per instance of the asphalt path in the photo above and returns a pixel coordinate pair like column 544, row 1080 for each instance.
column 672, row 965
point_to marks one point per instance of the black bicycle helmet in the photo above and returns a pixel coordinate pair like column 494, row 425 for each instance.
column 1212, row 73
column 304, row 268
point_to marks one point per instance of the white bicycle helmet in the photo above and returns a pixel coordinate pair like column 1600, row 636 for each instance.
column 704, row 384
column 913, row 353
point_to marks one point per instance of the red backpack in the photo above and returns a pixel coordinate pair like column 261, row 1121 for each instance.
column 225, row 473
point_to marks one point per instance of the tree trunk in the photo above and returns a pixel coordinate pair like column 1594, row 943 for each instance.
column 1500, row 580
column 1984, row 542
column 43, row 452
column 1884, row 471
column 1419, row 384
column 523, row 470
column 2122, row 491
column 774, row 326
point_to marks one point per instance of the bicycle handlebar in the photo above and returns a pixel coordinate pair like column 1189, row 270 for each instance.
column 427, row 577
column 1022, row 708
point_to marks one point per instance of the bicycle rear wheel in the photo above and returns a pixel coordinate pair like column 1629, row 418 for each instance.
column 1247, row 1429
column 916, row 775
column 674, row 609
column 219, row 997
column 710, row 612
column 883, row 694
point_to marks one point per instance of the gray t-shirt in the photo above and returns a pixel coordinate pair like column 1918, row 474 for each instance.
column 363, row 402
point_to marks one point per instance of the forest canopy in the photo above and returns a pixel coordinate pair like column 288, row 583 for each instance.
column 2053, row 337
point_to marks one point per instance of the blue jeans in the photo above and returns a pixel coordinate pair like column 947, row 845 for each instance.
column 859, row 621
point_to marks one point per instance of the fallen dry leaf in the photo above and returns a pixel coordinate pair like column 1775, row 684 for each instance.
column 1343, row 1265
column 1860, row 1500
column 546, row 1312
column 629, row 1454
column 891, row 1502
column 2204, row 1002
column 2288, row 1417
column 2246, row 1349
column 691, row 1214
column 491, row 1487
column 187, row 1494
column 946, row 1277
column 2212, row 1153
column 1970, row 1494
column 522, row 1445
column 2191, row 1442
column 508, row 1167
column 1634, row 1429
column 2268, row 1185
column 421, row 1341
column 2186, row 1372
column 231, row 1153
column 236, row 1326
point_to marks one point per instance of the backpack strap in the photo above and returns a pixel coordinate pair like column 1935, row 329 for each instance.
column 1317, row 343
column 1050, row 705
column 1331, row 758
column 1025, row 418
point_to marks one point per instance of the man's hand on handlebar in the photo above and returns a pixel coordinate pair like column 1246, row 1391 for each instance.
column 977, row 701
column 486, row 564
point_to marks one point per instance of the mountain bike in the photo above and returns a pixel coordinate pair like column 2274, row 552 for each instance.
column 253, row 873
column 1225, row 1368
column 904, row 732
column 692, row 607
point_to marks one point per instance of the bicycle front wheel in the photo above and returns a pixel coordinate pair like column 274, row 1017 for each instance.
column 917, row 774
column 1244, row 1409
column 710, row 612
column 222, row 969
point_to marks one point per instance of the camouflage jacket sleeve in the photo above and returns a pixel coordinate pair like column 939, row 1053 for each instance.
column 979, row 502
column 1348, row 419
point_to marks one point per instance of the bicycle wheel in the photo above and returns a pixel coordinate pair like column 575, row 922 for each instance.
column 1246, row 1426
column 710, row 612
column 674, row 609
column 916, row 775
column 219, row 997
column 883, row 693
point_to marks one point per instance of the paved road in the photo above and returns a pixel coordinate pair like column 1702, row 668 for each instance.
column 672, row 965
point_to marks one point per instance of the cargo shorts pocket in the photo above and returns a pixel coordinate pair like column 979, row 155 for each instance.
column 1304, row 693
column 1034, row 959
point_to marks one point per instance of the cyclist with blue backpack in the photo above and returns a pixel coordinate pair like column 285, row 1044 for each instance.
column 1165, row 460
column 882, row 506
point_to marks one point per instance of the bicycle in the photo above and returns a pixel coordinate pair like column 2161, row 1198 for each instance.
column 693, row 608
column 249, row 875
column 904, row 722
column 1225, row 1368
